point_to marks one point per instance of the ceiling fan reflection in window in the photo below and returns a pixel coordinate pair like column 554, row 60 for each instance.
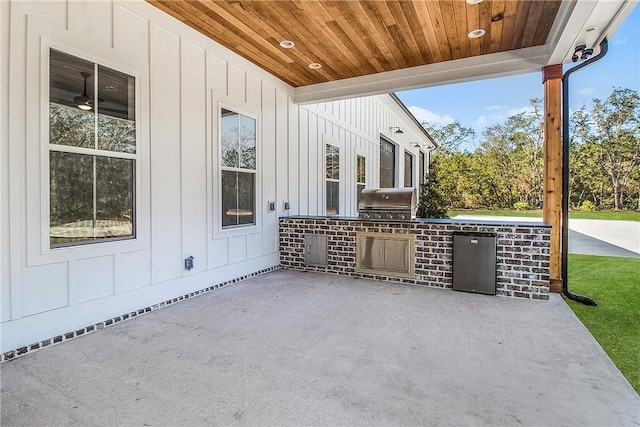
column 84, row 101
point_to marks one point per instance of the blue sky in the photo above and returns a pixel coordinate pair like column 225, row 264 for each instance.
column 486, row 102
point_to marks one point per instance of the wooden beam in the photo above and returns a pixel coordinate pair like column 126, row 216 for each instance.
column 552, row 201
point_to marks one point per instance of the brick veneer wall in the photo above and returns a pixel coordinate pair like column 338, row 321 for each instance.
column 522, row 251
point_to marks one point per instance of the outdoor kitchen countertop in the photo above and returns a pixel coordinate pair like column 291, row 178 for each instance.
column 467, row 221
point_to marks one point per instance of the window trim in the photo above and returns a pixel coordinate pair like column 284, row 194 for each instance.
column 396, row 154
column 422, row 166
column 39, row 251
column 362, row 154
column 216, row 214
column 94, row 152
column 404, row 172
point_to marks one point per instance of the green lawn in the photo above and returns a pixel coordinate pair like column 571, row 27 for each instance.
column 611, row 215
column 615, row 322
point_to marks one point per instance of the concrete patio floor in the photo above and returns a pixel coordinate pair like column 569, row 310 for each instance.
column 292, row 348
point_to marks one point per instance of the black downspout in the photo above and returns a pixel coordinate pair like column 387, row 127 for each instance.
column 604, row 46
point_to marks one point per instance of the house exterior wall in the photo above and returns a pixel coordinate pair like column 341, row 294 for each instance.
column 183, row 79
column 355, row 126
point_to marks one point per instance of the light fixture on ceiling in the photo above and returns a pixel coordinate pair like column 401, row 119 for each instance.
column 287, row 44
column 476, row 33
column 315, row 66
column 83, row 101
column 397, row 130
column 416, row 144
column 474, row 1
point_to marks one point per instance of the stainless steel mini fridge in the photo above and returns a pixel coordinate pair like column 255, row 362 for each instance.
column 474, row 262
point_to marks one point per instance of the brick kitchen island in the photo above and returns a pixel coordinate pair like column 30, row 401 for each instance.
column 522, row 250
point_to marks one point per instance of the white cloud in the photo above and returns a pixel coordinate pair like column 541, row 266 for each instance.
column 499, row 114
column 618, row 41
column 424, row 115
column 586, row 91
column 518, row 110
column 494, row 107
column 488, row 120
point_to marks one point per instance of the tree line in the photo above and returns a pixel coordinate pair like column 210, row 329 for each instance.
column 504, row 168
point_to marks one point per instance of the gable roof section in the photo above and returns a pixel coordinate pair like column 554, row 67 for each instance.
column 409, row 114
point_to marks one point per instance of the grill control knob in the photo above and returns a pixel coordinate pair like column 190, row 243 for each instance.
column 402, row 216
column 389, row 216
column 378, row 216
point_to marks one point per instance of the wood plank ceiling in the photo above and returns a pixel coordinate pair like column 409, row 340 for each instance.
column 360, row 37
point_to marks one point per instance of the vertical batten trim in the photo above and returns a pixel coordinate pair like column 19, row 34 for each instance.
column 112, row 28
column 182, row 166
column 68, row 15
column 246, row 89
column 5, row 227
column 17, row 150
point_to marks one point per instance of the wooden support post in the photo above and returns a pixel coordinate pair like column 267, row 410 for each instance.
column 552, row 199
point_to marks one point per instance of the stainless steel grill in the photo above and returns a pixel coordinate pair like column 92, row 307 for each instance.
column 387, row 204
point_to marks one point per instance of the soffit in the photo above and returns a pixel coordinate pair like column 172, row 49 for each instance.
column 357, row 38
column 368, row 47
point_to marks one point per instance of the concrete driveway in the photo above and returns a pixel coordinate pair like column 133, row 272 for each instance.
column 590, row 236
column 605, row 238
column 292, row 348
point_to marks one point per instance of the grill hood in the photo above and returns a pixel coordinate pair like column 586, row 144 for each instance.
column 387, row 204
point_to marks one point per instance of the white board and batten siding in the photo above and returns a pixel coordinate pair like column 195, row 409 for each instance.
column 183, row 79
column 355, row 126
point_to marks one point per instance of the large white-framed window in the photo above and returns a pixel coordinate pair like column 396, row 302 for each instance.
column 92, row 152
column 361, row 176
column 238, row 168
column 332, row 179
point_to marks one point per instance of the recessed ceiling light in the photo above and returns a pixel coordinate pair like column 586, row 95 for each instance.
column 474, row 1
column 109, row 88
column 476, row 34
column 287, row 44
column 315, row 66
